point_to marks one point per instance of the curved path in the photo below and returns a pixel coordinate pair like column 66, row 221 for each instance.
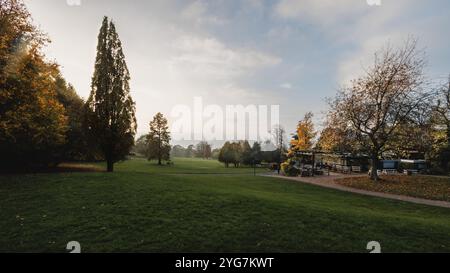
column 329, row 182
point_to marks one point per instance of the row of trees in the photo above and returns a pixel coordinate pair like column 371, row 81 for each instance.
column 42, row 120
column 241, row 153
column 390, row 111
column 144, row 148
column 202, row 150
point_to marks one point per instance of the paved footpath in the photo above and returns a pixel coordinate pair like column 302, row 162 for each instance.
column 329, row 182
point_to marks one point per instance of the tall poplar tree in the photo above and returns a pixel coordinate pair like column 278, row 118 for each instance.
column 110, row 109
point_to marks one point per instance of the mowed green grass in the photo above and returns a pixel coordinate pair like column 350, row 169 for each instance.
column 199, row 206
column 182, row 166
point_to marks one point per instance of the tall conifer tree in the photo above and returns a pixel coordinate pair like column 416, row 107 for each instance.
column 159, row 139
column 111, row 111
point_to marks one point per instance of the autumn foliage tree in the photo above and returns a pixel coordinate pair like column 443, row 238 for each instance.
column 32, row 121
column 442, row 117
column 110, row 109
column 376, row 104
column 303, row 140
column 338, row 137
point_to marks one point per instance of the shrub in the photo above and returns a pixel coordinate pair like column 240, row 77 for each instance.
column 289, row 169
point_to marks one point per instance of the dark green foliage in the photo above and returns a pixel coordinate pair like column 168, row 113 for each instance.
column 76, row 147
column 230, row 154
column 271, row 156
column 110, row 109
column 257, row 153
column 215, row 154
column 240, row 153
column 141, row 146
column 203, row 150
column 178, row 151
column 190, row 151
column 246, row 154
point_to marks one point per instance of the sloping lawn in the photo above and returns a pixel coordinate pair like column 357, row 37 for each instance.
column 427, row 187
column 144, row 208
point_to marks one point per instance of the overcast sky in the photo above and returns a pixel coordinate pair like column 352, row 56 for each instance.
column 293, row 53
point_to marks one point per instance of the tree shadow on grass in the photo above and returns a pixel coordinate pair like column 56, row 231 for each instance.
column 61, row 168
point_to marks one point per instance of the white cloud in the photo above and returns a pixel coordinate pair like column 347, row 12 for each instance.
column 320, row 11
column 373, row 32
column 286, row 86
column 194, row 10
column 198, row 12
column 357, row 27
column 191, row 64
column 208, row 58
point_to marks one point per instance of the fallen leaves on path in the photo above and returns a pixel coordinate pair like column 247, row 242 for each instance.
column 427, row 187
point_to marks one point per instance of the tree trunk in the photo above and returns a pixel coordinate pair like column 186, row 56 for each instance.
column 446, row 155
column 110, row 167
column 159, row 161
column 374, row 174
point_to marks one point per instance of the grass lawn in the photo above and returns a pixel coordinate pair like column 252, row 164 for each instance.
column 199, row 206
column 428, row 187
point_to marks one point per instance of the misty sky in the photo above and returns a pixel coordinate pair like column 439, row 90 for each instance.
column 293, row 53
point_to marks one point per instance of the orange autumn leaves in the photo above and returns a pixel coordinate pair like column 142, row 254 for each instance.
column 427, row 187
column 32, row 121
column 303, row 140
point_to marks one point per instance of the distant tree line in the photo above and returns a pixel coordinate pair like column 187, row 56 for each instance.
column 240, row 153
column 236, row 154
column 202, row 150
